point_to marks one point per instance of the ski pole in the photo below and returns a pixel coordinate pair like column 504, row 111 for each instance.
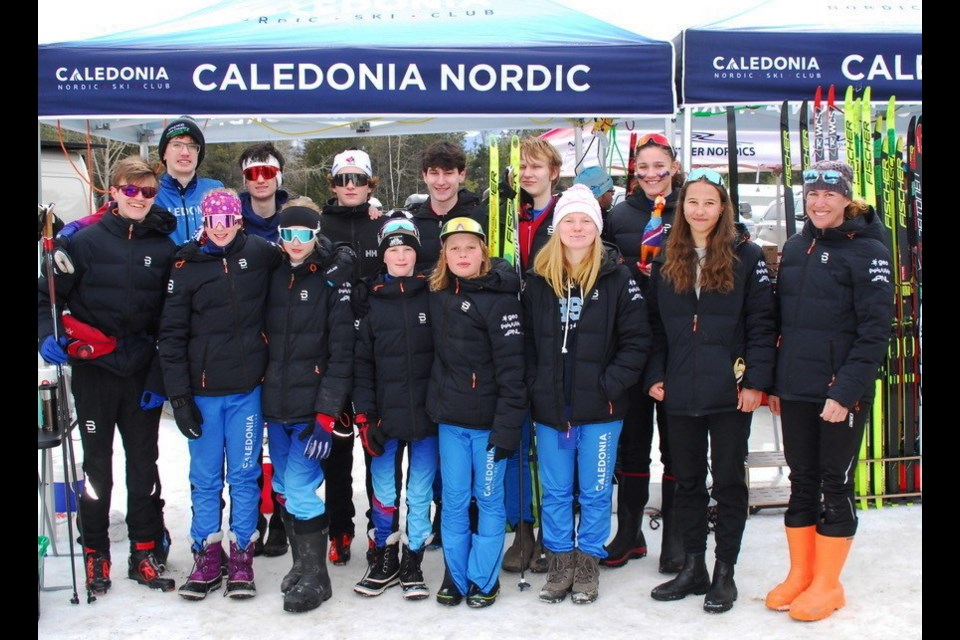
column 63, row 408
column 535, row 470
column 523, row 585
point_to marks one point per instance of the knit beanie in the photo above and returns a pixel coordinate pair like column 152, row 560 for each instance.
column 828, row 175
column 183, row 126
column 578, row 199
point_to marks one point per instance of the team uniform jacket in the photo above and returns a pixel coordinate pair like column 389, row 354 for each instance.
column 353, row 226
column 184, row 203
column 393, row 358
column 702, row 344
column 477, row 376
column 311, row 335
column 836, row 307
column 255, row 225
column 121, row 270
column 625, row 223
column 429, row 224
column 212, row 340
column 611, row 347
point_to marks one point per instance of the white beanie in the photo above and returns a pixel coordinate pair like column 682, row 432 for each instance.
column 578, row 199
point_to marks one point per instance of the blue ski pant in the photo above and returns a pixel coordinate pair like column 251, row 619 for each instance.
column 592, row 450
column 232, row 431
column 386, row 469
column 469, row 471
column 517, row 480
column 295, row 477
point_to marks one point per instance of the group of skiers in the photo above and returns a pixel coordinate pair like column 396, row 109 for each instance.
column 335, row 322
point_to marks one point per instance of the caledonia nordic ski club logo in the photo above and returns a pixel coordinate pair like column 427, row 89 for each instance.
column 115, row 78
column 854, row 67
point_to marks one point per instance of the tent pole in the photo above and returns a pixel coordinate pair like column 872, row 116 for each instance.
column 687, row 138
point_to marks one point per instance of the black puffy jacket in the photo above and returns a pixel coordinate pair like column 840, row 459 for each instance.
column 477, row 376
column 393, row 358
column 118, row 286
column 212, row 340
column 702, row 345
column 625, row 223
column 353, row 226
column 611, row 347
column 429, row 224
column 836, row 307
column 310, row 333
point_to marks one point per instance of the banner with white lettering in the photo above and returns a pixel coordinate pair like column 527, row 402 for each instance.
column 408, row 57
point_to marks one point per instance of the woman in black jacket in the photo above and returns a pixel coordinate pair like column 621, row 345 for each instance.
column 477, row 397
column 836, row 306
column 587, row 339
column 713, row 315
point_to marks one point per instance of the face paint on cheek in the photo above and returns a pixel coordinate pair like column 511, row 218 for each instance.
column 662, row 174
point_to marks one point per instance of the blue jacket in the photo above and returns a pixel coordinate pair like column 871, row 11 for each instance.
column 184, row 204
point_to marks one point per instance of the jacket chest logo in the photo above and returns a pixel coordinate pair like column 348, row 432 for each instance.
column 422, row 317
column 370, row 253
column 465, row 306
column 824, row 257
column 304, row 295
column 147, row 261
column 242, row 263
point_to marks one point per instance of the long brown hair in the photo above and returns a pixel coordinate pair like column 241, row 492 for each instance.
column 680, row 267
column 441, row 276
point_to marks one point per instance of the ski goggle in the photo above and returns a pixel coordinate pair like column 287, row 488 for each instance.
column 213, row 220
column 289, row 234
column 131, row 190
column 655, row 139
column 706, row 174
column 265, row 171
column 828, row 176
column 462, row 225
column 398, row 225
column 358, row 179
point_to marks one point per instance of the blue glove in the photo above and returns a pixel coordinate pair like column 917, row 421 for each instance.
column 150, row 400
column 319, row 437
column 53, row 350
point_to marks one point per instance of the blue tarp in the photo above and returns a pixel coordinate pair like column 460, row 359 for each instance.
column 485, row 58
column 783, row 49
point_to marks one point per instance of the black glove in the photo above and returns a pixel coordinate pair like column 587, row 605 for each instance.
column 188, row 416
column 499, row 453
column 359, row 300
column 505, row 186
column 339, row 267
column 371, row 436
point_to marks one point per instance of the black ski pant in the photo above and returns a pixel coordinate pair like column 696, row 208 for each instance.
column 636, row 439
column 728, row 433
column 105, row 403
column 822, row 457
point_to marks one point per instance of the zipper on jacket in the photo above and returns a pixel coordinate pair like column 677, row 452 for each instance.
column 696, row 318
column 473, row 380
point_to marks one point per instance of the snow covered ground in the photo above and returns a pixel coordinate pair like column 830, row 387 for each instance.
column 883, row 580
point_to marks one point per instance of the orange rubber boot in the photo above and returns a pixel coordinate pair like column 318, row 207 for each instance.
column 825, row 594
column 801, row 542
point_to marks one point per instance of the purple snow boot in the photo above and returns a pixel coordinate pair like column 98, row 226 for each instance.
column 206, row 575
column 240, row 583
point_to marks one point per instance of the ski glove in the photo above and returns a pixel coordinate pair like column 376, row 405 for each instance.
column 151, row 400
column 54, row 350
column 371, row 436
column 499, row 453
column 506, row 185
column 62, row 262
column 188, row 417
column 319, row 438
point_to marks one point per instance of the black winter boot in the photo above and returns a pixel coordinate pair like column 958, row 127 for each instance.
column 276, row 543
column 723, row 590
column 693, row 578
column 448, row 595
column 293, row 576
column 671, row 544
column 629, row 543
column 309, row 538
column 385, row 570
column 411, row 575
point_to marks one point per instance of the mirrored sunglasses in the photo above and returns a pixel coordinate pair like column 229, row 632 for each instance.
column 266, row 171
column 289, row 234
column 358, row 179
column 654, row 139
column 213, row 220
column 706, row 174
column 397, row 226
column 131, row 190
column 829, row 176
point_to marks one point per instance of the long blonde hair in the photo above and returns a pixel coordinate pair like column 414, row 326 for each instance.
column 441, row 276
column 553, row 266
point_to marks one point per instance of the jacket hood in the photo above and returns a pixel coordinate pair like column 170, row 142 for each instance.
column 158, row 220
column 502, row 277
column 334, row 209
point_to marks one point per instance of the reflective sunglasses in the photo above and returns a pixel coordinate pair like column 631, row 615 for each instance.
column 289, row 234
column 358, row 179
column 131, row 190
column 829, row 176
column 213, row 220
column 706, row 174
column 655, row 139
column 266, row 171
